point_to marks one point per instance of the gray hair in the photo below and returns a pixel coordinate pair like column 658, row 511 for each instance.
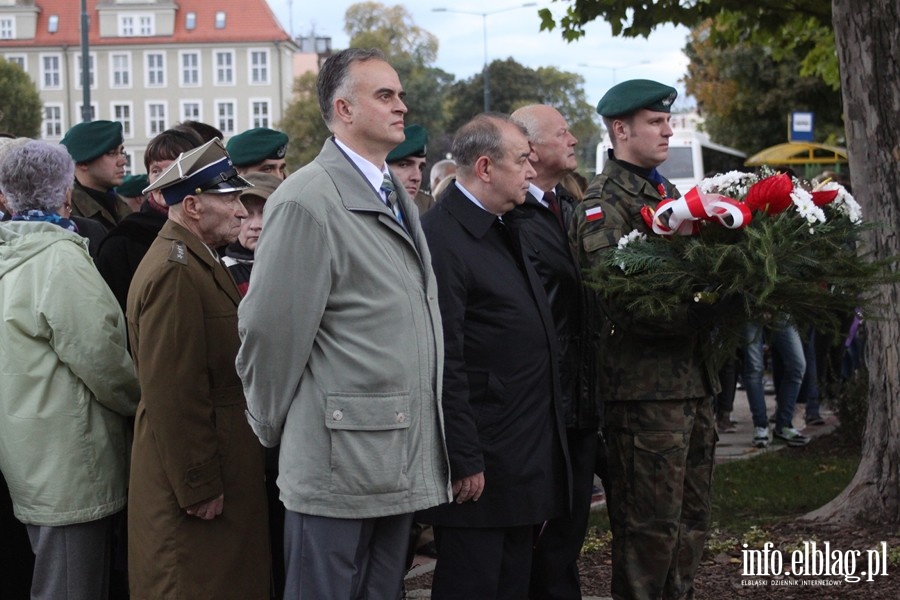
column 527, row 117
column 37, row 176
column 481, row 136
column 334, row 78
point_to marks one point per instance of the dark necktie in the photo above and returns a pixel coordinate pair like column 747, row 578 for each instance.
column 553, row 202
column 390, row 198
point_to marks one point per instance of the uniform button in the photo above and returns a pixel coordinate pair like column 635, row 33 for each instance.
column 401, row 417
column 337, row 415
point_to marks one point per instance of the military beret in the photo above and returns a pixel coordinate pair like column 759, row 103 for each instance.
column 87, row 141
column 413, row 145
column 256, row 145
column 205, row 169
column 263, row 185
column 133, row 186
column 635, row 94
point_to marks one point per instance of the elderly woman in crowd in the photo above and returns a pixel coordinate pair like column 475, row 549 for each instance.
column 68, row 384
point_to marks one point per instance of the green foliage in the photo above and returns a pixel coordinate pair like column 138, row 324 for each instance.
column 303, row 123
column 20, row 103
column 514, row 85
column 632, row 18
column 777, row 265
column 745, row 93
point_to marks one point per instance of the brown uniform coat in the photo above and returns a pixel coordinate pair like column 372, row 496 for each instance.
column 192, row 441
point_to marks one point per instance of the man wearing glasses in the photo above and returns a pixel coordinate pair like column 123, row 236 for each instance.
column 100, row 160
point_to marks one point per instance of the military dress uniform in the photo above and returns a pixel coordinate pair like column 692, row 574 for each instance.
column 658, row 418
column 192, row 441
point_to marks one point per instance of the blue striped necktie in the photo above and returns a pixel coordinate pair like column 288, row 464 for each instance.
column 390, row 198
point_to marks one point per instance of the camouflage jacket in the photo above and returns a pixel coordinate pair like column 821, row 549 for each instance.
column 639, row 359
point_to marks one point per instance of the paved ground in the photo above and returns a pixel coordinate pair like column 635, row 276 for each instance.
column 732, row 446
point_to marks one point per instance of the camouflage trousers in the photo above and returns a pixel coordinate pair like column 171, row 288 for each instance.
column 661, row 456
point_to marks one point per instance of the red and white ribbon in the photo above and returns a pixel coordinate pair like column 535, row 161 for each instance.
column 683, row 216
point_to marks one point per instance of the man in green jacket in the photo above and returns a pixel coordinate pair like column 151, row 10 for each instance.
column 659, row 424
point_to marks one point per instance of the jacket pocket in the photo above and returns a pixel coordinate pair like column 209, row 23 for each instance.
column 658, row 468
column 369, row 442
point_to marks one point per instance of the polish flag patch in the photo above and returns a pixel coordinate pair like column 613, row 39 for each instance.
column 592, row 214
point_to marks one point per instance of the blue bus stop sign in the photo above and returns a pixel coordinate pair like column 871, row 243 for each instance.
column 801, row 129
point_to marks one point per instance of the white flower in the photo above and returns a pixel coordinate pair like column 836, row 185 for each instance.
column 630, row 237
column 627, row 239
column 845, row 203
column 806, row 207
column 733, row 184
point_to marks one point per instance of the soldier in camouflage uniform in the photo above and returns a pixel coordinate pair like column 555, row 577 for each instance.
column 659, row 425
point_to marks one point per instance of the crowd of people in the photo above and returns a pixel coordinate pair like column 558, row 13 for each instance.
column 223, row 382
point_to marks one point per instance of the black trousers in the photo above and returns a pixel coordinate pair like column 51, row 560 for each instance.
column 482, row 563
column 554, row 572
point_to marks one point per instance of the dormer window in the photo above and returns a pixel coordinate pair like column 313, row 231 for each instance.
column 190, row 21
column 53, row 24
column 7, row 28
column 220, row 19
column 137, row 25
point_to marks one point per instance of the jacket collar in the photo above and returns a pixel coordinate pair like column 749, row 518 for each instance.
column 474, row 219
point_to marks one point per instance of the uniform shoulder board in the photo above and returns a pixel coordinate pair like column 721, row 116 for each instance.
column 178, row 253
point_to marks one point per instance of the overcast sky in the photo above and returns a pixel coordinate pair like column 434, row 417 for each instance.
column 512, row 33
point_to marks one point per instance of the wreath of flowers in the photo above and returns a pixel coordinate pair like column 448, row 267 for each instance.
column 746, row 246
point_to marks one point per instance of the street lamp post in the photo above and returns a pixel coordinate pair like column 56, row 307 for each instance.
column 614, row 69
column 484, row 16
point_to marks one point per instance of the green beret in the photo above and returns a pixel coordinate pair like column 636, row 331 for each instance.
column 413, row 145
column 256, row 145
column 133, row 186
column 87, row 141
column 631, row 96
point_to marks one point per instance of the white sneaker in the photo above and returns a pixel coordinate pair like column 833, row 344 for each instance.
column 760, row 437
column 791, row 437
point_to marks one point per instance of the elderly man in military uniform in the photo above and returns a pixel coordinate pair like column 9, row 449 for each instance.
column 659, row 424
column 197, row 519
column 100, row 160
column 407, row 163
column 259, row 150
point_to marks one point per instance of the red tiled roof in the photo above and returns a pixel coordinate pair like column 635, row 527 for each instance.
column 246, row 21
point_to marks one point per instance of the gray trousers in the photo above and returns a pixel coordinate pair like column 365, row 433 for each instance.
column 356, row 559
column 71, row 561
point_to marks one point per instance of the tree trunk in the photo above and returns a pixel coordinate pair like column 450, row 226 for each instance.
column 867, row 36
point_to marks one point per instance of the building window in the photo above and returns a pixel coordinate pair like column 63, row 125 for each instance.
column 259, row 113
column 220, row 19
column 225, row 68
column 190, row 21
column 17, row 59
column 78, row 70
column 50, row 77
column 156, row 118
column 137, row 25
column 7, row 28
column 120, row 70
column 190, row 110
column 225, row 116
column 259, row 66
column 53, row 24
column 146, row 25
column 156, row 69
column 53, row 124
column 122, row 114
column 190, row 69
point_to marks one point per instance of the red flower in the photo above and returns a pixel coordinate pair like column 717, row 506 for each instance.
column 772, row 194
column 823, row 197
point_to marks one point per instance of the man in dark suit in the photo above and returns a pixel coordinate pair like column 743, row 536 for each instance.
column 504, row 429
column 541, row 222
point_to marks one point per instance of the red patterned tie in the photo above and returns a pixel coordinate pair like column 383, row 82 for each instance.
column 553, row 202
